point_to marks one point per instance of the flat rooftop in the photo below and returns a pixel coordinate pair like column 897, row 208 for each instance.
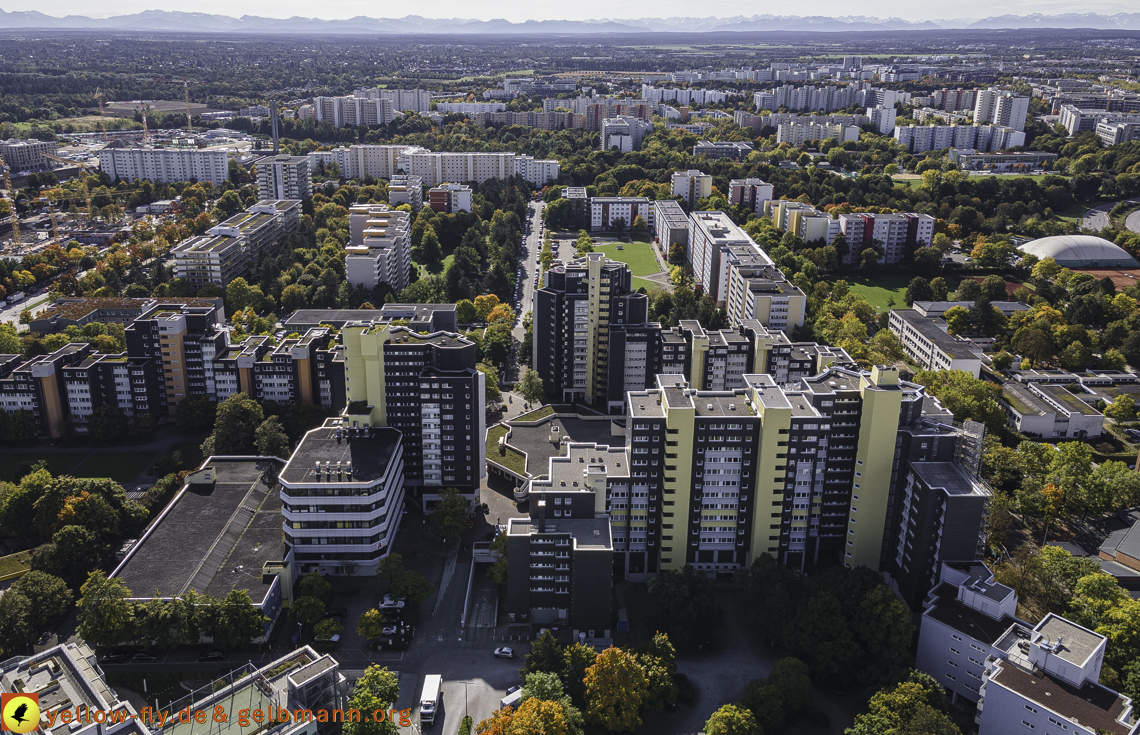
column 566, row 472
column 952, row 612
column 211, row 539
column 931, row 328
column 1093, row 706
column 370, row 457
column 536, row 442
column 588, row 533
column 1078, row 643
column 948, row 477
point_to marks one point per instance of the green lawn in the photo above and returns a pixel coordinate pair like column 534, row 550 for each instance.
column 509, row 457
column 119, row 466
column 638, row 255
column 535, row 415
column 57, row 463
column 13, row 563
column 646, row 284
column 878, row 291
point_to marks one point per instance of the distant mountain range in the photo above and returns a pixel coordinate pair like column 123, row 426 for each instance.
column 176, row 21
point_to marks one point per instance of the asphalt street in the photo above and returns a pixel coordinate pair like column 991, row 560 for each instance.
column 1097, row 218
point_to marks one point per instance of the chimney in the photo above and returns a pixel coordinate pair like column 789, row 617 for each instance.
column 318, row 470
column 339, row 471
column 348, row 470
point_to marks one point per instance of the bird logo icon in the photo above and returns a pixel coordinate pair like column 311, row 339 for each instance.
column 19, row 713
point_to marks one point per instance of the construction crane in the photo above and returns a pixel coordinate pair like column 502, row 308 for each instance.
column 102, row 124
column 145, row 110
column 15, row 218
column 186, row 88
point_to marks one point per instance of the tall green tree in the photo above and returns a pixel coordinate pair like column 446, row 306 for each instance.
column 378, row 689
column 235, row 427
column 271, row 440
column 732, row 720
column 106, row 615
column 450, row 514
column 616, row 688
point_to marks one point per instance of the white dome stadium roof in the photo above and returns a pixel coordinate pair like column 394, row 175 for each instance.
column 1080, row 251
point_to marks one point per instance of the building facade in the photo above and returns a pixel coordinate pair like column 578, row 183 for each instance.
column 284, row 177
column 165, row 165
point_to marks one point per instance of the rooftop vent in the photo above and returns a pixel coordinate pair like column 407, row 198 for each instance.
column 710, row 406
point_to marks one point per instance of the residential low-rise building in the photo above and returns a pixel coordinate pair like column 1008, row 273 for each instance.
column 606, row 211
column 1050, row 411
column 735, row 150
column 926, row 341
column 973, row 160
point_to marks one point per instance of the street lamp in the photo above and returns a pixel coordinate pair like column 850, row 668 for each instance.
column 465, row 683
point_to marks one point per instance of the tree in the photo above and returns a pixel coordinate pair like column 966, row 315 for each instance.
column 1002, row 360
column 575, row 660
column 682, row 605
column 314, row 585
column 540, row 717
column 484, row 305
column 271, row 439
column 450, row 514
column 465, row 311
column 236, row 425
column 239, row 295
column 73, row 552
column 968, row 290
column 491, row 390
column 327, row 628
column 17, row 626
column 967, row 397
column 307, row 610
column 48, row 596
column 659, row 661
column 413, row 587
column 530, row 386
column 957, row 320
column 918, row 290
column 543, row 685
column 294, row 297
column 196, row 413
column 914, row 707
column 993, row 288
column 108, row 424
column 106, row 615
column 378, row 689
column 371, row 625
column 639, row 225
column 1122, row 408
column 618, row 224
column 545, row 656
column 615, row 689
column 239, row 621
column 732, row 720
column 498, row 570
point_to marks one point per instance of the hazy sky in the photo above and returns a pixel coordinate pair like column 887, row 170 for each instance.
column 518, row 10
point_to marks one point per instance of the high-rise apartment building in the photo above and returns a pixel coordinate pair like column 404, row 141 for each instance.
column 750, row 192
column 811, row 472
column 353, row 110
column 755, row 289
column 670, row 223
column 574, row 314
column 284, row 177
column 406, row 190
column 165, row 165
column 624, row 133
column 450, row 198
column 893, row 233
column 426, row 386
column 709, row 234
column 692, row 186
column 1002, row 108
column 380, row 247
column 883, row 119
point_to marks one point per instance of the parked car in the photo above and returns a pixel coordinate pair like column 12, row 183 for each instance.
column 143, row 657
column 389, row 630
column 214, row 654
column 114, row 657
column 339, row 613
column 334, row 638
column 504, row 652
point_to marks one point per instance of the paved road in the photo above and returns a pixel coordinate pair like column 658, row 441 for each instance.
column 1133, row 221
column 11, row 314
column 1097, row 218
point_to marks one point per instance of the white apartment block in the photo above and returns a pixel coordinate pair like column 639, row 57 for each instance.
column 604, row 211
column 751, row 193
column 624, row 133
column 892, row 231
column 1002, row 108
column 439, row 168
column 538, row 171
column 469, row 108
column 986, row 138
column 284, row 177
column 1077, row 120
column 683, row 96
column 165, row 165
column 380, row 249
column 802, row 220
column 344, row 111
column 402, row 100
column 709, row 234
column 449, row 198
column 230, row 247
column 797, row 134
column 406, row 190
column 757, row 289
column 692, row 186
column 361, row 161
column 883, row 119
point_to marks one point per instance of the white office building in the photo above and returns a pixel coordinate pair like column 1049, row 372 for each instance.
column 165, row 165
